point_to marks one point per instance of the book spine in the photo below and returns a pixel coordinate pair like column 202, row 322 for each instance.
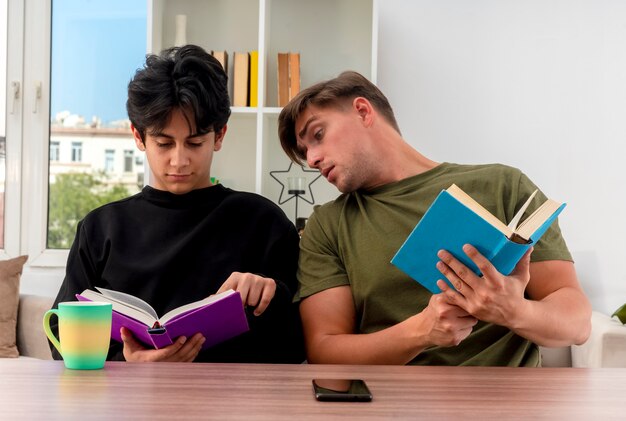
column 294, row 74
column 283, row 79
column 160, row 340
column 254, row 78
column 511, row 253
column 222, row 57
column 508, row 256
column 241, row 75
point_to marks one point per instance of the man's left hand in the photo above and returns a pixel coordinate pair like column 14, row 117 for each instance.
column 494, row 297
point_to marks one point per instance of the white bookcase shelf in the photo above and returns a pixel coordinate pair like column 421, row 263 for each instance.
column 330, row 35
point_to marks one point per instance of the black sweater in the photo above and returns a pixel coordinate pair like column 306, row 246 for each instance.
column 170, row 250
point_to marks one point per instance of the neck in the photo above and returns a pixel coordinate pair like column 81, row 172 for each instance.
column 409, row 162
column 398, row 160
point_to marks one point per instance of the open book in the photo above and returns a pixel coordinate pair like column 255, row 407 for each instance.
column 455, row 219
column 218, row 317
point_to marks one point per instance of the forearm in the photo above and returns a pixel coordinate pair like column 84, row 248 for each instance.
column 560, row 319
column 398, row 344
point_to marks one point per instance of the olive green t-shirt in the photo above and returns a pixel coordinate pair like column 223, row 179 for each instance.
column 351, row 241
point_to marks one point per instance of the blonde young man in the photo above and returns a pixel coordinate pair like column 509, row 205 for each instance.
column 358, row 308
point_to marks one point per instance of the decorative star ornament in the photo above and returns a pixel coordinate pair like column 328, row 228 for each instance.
column 295, row 171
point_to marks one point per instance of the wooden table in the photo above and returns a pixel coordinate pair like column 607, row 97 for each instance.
column 35, row 389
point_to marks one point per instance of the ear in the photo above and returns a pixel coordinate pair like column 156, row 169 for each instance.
column 219, row 138
column 364, row 109
column 137, row 136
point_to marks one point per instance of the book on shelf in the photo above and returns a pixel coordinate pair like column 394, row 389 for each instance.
column 222, row 57
column 241, row 77
column 288, row 77
column 283, row 79
column 218, row 317
column 455, row 219
column 254, row 79
column 294, row 74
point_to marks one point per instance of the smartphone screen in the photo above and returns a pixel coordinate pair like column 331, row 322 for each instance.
column 352, row 390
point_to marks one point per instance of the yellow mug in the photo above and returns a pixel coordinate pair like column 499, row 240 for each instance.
column 84, row 333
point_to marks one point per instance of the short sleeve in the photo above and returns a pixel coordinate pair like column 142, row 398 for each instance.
column 320, row 264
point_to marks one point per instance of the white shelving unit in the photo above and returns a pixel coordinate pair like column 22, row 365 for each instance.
column 330, row 35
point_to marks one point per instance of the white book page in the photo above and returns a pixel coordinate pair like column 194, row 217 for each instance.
column 520, row 212
column 468, row 201
column 129, row 300
column 538, row 217
column 122, row 307
column 197, row 304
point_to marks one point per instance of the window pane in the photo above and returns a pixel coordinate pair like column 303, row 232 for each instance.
column 109, row 156
column 54, row 151
column 3, row 83
column 97, row 45
column 128, row 160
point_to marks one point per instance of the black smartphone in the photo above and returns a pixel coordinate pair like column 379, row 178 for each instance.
column 346, row 390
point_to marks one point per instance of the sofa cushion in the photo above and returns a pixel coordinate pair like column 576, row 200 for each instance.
column 31, row 339
column 606, row 346
column 10, row 271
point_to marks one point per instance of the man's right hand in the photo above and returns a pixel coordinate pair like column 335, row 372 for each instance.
column 330, row 329
column 182, row 350
column 446, row 324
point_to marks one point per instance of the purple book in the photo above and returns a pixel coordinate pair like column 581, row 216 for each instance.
column 218, row 317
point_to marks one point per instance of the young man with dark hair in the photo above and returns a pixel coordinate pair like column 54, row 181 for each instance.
column 357, row 307
column 183, row 238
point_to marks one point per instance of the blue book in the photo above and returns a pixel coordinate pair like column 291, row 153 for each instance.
column 455, row 219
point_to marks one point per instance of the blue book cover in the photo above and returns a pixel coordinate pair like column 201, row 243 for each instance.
column 455, row 219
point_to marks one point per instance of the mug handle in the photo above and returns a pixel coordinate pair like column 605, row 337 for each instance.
column 46, row 328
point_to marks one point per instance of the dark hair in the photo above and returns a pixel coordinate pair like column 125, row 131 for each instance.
column 330, row 93
column 185, row 77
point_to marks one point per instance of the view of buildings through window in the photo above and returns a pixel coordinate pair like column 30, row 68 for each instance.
column 96, row 47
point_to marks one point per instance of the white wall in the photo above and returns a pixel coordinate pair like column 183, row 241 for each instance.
column 536, row 84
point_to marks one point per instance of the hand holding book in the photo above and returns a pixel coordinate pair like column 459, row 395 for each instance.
column 218, row 317
column 455, row 219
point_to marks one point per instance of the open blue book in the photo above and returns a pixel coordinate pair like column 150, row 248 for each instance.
column 455, row 219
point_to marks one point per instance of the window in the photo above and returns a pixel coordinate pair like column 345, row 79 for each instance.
column 77, row 151
column 87, row 105
column 54, row 151
column 128, row 160
column 65, row 122
column 109, row 160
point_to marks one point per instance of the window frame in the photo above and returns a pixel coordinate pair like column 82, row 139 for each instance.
column 14, row 129
column 28, row 134
column 36, row 135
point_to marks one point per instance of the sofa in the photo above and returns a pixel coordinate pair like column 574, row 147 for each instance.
column 606, row 346
column 31, row 339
